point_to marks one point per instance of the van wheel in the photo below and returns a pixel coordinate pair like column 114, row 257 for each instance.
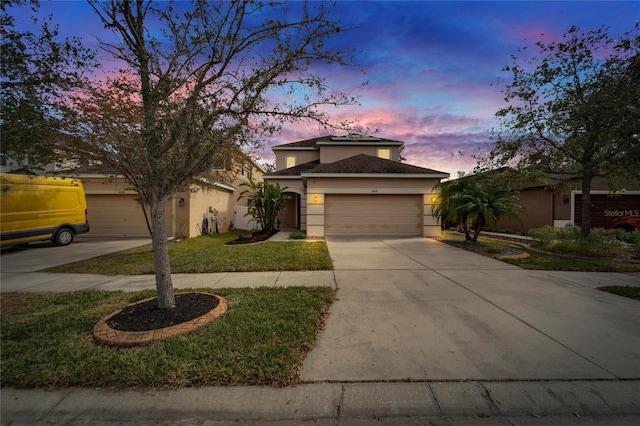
column 63, row 237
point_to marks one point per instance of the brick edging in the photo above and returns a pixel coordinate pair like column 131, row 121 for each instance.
column 104, row 334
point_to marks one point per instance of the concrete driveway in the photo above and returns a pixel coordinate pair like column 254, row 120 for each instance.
column 418, row 309
column 42, row 255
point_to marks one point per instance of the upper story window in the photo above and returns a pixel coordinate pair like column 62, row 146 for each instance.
column 384, row 153
column 291, row 161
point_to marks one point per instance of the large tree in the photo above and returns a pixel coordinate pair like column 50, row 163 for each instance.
column 38, row 69
column 573, row 112
column 197, row 79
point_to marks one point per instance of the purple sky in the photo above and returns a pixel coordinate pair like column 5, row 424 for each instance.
column 431, row 66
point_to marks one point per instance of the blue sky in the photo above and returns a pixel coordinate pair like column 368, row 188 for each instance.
column 432, row 67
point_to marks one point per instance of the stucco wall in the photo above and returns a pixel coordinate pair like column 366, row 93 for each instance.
column 331, row 154
column 302, row 157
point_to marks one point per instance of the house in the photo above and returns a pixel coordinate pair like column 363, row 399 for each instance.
column 354, row 185
column 210, row 205
column 545, row 206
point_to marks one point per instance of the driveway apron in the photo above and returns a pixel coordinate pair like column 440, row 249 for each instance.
column 418, row 309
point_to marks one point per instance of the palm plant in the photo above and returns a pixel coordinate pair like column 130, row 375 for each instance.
column 450, row 199
column 486, row 205
column 264, row 202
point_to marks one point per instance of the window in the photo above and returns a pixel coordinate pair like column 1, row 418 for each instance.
column 291, row 161
column 384, row 153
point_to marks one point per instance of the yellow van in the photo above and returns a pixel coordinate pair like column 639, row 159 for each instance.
column 36, row 208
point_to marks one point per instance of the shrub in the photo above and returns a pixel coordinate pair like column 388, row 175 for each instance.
column 298, row 235
column 600, row 243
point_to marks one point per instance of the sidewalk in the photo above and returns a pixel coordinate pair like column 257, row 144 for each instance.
column 428, row 403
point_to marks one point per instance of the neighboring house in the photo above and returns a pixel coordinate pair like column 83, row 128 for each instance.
column 544, row 206
column 354, row 185
column 212, row 206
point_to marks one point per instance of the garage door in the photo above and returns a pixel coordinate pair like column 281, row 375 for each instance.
column 118, row 216
column 399, row 215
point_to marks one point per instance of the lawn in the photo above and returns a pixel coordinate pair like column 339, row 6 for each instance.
column 46, row 341
column 550, row 262
column 210, row 254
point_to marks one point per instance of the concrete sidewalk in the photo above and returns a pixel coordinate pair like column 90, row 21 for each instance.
column 420, row 333
column 429, row 403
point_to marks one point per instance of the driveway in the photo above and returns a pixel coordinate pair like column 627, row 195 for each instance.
column 418, row 309
column 42, row 255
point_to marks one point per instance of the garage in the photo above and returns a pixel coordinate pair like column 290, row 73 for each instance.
column 118, row 216
column 398, row 215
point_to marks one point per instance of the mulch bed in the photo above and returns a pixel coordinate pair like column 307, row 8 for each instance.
column 254, row 238
column 147, row 316
column 480, row 248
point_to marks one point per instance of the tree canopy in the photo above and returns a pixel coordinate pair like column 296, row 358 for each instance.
column 38, row 69
column 573, row 112
column 199, row 79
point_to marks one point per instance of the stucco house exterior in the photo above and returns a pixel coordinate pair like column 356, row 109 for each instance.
column 354, row 185
column 210, row 204
column 544, row 206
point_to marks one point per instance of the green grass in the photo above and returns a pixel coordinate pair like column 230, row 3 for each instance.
column 553, row 262
column 46, row 341
column 626, row 291
column 549, row 262
column 210, row 254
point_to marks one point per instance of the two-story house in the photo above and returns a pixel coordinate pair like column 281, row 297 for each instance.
column 354, row 185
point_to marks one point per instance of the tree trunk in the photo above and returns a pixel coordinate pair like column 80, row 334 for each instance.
column 478, row 228
column 585, row 224
column 465, row 228
column 164, row 285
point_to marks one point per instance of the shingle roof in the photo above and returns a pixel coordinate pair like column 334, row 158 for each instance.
column 296, row 170
column 309, row 143
column 367, row 164
column 313, row 143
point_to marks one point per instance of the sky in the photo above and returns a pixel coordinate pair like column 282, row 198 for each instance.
column 434, row 68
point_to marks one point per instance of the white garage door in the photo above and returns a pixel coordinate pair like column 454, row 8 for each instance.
column 118, row 216
column 399, row 215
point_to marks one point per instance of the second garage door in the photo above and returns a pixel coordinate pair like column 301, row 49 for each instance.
column 116, row 216
column 399, row 215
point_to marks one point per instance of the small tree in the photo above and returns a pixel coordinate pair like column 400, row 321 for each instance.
column 476, row 199
column 264, row 202
column 486, row 205
column 449, row 200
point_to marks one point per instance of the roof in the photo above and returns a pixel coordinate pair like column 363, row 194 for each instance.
column 368, row 164
column 296, row 170
column 359, row 165
column 352, row 139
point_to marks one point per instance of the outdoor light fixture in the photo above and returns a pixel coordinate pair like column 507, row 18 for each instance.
column 434, row 199
column 315, row 198
column 181, row 202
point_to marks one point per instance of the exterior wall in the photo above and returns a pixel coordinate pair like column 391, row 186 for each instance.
column 302, row 156
column 333, row 153
column 561, row 211
column 538, row 204
column 213, row 204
